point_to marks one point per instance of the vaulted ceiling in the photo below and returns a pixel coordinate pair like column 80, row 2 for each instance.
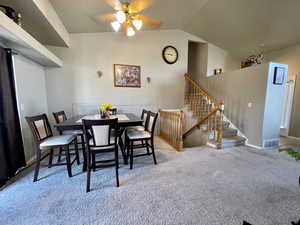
column 242, row 27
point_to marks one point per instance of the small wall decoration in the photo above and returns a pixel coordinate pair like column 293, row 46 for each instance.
column 217, row 71
column 127, row 76
column 12, row 14
column 252, row 60
column 279, row 75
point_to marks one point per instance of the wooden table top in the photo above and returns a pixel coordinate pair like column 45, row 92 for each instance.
column 74, row 123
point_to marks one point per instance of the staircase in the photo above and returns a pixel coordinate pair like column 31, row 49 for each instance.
column 230, row 138
column 204, row 113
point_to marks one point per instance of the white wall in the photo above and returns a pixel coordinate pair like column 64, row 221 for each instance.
column 273, row 106
column 291, row 57
column 31, row 96
column 221, row 59
column 77, row 82
column 49, row 12
column 260, row 123
column 204, row 58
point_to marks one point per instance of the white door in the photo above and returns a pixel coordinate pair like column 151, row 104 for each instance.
column 287, row 104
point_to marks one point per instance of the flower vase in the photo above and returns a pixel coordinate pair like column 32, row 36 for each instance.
column 104, row 114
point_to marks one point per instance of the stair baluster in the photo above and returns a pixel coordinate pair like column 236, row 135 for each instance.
column 206, row 108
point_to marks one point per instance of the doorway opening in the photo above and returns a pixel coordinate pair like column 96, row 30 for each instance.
column 197, row 59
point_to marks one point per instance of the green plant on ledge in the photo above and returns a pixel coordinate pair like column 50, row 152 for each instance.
column 291, row 152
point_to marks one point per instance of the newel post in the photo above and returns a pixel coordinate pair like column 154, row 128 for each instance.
column 220, row 126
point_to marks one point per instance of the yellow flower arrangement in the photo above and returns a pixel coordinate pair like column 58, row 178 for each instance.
column 105, row 106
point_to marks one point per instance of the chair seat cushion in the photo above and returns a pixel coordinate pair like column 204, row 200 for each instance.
column 135, row 134
column 57, row 141
column 112, row 142
column 139, row 128
column 75, row 132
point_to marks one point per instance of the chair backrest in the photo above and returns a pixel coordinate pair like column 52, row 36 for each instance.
column 40, row 127
column 100, row 132
column 151, row 122
column 60, row 116
column 144, row 116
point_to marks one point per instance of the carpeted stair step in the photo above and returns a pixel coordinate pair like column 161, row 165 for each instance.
column 228, row 142
column 229, row 132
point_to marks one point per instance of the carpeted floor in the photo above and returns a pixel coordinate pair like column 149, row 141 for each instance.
column 197, row 186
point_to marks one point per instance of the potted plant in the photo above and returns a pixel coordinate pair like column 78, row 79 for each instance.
column 105, row 107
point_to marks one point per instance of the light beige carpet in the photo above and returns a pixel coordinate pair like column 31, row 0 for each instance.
column 198, row 186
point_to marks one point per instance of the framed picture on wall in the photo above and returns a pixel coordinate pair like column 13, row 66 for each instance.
column 127, row 76
column 279, row 74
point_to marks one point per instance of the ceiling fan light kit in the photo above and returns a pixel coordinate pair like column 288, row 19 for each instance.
column 116, row 26
column 137, row 24
column 121, row 16
column 130, row 32
column 127, row 16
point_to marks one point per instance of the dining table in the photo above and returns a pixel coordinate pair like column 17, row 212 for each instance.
column 124, row 120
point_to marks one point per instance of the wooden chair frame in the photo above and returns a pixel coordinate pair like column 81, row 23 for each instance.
column 130, row 144
column 92, row 151
column 38, row 140
column 56, row 116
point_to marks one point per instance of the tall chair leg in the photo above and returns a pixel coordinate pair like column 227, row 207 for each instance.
column 59, row 154
column 153, row 152
column 84, row 153
column 88, row 181
column 69, row 166
column 147, row 147
column 94, row 162
column 131, row 154
column 50, row 158
column 37, row 165
column 76, row 152
column 117, row 164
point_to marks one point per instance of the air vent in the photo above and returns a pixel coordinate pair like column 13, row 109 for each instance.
column 271, row 143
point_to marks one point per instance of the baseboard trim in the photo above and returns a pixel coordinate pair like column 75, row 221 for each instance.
column 260, row 148
column 255, row 146
column 296, row 138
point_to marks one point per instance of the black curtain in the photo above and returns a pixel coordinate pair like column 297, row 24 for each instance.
column 11, row 145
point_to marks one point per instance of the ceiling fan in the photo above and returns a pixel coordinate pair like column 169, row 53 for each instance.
column 128, row 16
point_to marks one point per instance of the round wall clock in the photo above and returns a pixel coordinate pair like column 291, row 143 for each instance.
column 170, row 54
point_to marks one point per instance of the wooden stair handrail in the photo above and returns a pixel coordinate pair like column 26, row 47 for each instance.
column 200, row 122
column 199, row 88
column 219, row 107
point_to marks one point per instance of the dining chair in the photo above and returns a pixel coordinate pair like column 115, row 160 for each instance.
column 60, row 117
column 45, row 144
column 144, row 137
column 100, row 139
column 144, row 118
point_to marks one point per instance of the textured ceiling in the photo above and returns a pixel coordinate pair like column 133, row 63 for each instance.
column 242, row 27
column 76, row 14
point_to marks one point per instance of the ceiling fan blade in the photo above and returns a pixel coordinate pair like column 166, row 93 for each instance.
column 140, row 5
column 103, row 17
column 149, row 21
column 116, row 4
